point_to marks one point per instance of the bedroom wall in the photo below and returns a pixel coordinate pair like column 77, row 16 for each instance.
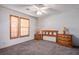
column 69, row 19
column 5, row 28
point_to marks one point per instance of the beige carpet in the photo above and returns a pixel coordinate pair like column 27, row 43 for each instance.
column 39, row 48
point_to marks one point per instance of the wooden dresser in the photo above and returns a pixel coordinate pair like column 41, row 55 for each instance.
column 65, row 40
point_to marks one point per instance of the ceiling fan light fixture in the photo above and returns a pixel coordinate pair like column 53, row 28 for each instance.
column 39, row 13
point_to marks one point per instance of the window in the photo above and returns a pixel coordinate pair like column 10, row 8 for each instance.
column 19, row 27
column 24, row 27
column 14, row 21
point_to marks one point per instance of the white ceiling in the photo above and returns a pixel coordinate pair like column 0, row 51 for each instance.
column 51, row 8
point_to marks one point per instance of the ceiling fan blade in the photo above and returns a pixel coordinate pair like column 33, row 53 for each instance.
column 44, row 8
column 43, row 11
column 35, row 7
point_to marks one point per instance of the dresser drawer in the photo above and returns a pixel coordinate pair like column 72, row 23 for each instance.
column 68, row 44
column 61, row 42
column 64, row 39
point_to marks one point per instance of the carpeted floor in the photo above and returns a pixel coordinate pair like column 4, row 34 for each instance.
column 39, row 48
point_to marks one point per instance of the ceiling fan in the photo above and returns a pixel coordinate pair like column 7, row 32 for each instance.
column 40, row 10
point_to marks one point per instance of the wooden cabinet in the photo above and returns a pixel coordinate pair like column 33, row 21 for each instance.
column 38, row 37
column 65, row 40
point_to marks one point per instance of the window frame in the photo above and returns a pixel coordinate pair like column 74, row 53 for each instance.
column 11, row 28
column 27, row 27
column 19, row 27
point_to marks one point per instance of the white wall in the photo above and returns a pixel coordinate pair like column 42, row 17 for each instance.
column 69, row 19
column 5, row 27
